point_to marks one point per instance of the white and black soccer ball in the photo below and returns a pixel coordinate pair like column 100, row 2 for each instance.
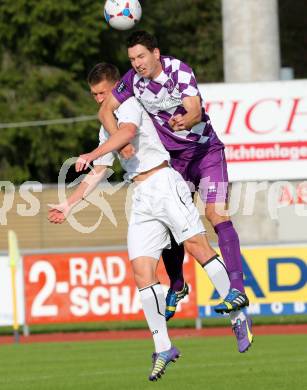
column 122, row 14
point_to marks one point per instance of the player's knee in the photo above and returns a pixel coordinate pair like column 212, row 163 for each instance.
column 216, row 215
column 199, row 248
column 191, row 245
column 144, row 279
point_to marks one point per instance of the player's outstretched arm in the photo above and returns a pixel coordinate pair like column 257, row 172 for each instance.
column 59, row 212
column 122, row 137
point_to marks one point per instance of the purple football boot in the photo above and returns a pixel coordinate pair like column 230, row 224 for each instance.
column 243, row 332
column 161, row 360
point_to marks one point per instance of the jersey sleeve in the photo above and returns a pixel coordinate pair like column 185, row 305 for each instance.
column 186, row 80
column 107, row 159
column 129, row 112
column 124, row 89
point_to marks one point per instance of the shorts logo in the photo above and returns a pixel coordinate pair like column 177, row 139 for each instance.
column 155, row 332
column 211, row 189
column 121, row 87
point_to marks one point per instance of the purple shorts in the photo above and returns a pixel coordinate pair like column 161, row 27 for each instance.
column 206, row 174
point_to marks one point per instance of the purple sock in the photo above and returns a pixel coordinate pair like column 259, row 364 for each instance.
column 173, row 261
column 229, row 244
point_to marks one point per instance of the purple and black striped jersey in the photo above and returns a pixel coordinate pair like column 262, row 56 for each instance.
column 162, row 98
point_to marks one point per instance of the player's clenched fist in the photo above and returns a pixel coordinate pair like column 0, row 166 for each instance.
column 177, row 122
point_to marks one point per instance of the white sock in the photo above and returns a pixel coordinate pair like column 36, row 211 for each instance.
column 153, row 302
column 217, row 273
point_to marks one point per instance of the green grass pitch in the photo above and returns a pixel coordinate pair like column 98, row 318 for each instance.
column 273, row 362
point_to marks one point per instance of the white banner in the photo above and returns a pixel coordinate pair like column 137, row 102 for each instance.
column 264, row 127
column 6, row 299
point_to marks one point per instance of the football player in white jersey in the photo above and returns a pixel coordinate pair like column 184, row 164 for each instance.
column 161, row 202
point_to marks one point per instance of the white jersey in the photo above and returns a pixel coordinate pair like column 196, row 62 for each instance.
column 149, row 151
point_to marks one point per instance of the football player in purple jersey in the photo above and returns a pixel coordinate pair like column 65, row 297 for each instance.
column 167, row 89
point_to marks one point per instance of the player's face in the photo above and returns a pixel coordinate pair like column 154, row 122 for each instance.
column 145, row 62
column 101, row 90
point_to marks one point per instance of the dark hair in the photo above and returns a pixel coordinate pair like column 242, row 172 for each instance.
column 101, row 72
column 142, row 38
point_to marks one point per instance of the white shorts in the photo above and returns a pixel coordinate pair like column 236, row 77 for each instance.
column 161, row 203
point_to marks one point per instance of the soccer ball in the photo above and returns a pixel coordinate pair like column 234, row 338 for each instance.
column 122, row 14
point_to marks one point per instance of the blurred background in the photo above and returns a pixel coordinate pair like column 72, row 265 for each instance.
column 47, row 49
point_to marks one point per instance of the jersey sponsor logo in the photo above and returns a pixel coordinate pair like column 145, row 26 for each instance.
column 160, row 104
column 121, row 87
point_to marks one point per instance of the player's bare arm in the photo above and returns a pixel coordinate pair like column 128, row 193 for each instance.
column 59, row 212
column 109, row 123
column 106, row 115
column 122, row 137
column 192, row 105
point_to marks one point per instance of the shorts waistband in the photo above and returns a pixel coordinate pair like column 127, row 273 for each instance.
column 146, row 175
column 153, row 177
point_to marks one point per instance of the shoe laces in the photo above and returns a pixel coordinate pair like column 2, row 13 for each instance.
column 159, row 363
column 173, row 297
